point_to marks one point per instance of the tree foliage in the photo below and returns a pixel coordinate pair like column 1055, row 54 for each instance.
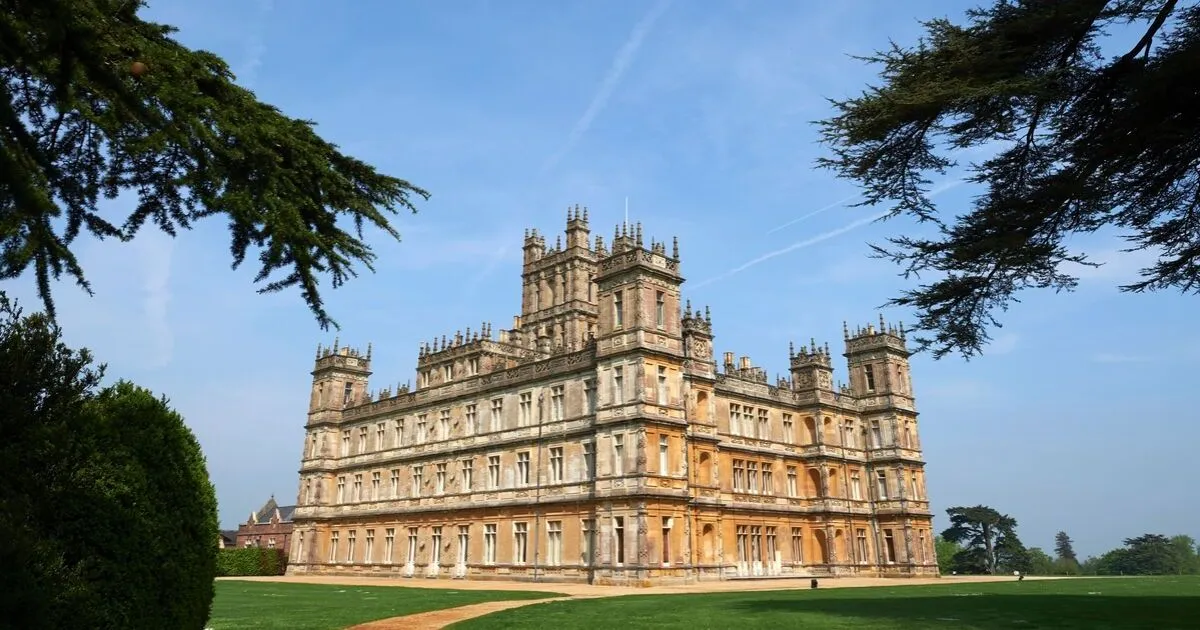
column 95, row 101
column 107, row 515
column 946, row 551
column 1064, row 548
column 1085, row 142
column 989, row 540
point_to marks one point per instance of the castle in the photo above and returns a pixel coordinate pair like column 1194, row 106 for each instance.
column 599, row 440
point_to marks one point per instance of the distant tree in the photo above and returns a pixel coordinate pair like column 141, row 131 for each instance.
column 1084, row 141
column 1185, row 549
column 95, row 101
column 1064, row 548
column 989, row 538
column 945, row 551
column 1148, row 554
column 107, row 515
column 1040, row 563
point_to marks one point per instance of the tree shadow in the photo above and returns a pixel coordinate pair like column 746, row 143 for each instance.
column 987, row 610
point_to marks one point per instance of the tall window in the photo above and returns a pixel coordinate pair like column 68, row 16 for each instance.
column 471, row 420
column 523, row 468
column 889, row 546
column 789, row 429
column 418, row 472
column 881, row 484
column 440, row 478
column 764, row 424
column 618, row 455
column 797, row 546
column 435, row 552
column 660, row 309
column 389, row 544
column 664, row 455
column 525, row 417
column 589, row 396
column 869, row 374
column 588, row 536
column 448, row 372
column 346, row 443
column 876, row 434
column 556, row 402
column 662, row 385
column 394, row 483
column 497, row 414
column 341, row 489
column 472, row 366
column 666, row 540
column 369, row 551
column 848, row 435
column 464, row 543
column 554, row 543
column 619, row 539
column 861, row 539
column 375, row 495
column 739, row 475
column 768, row 479
column 333, row 546
column 347, row 394
column 307, row 492
column 520, row 542
column 618, row 385
column 618, row 310
column 412, row 546
column 350, row 540
column 444, row 424
column 493, row 472
column 556, row 464
column 398, row 432
column 793, row 486
column 466, row 475
column 422, row 429
column 380, row 431
column 735, row 418
column 589, row 460
column 489, row 543
column 362, row 439
column 855, row 486
column 358, row 495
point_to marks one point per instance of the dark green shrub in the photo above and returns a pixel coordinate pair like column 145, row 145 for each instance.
column 251, row 561
column 107, row 515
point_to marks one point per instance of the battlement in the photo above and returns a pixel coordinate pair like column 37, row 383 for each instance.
column 812, row 355
column 744, row 369
column 342, row 357
column 869, row 337
column 695, row 322
column 436, row 350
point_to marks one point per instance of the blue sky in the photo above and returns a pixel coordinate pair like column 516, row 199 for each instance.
column 699, row 113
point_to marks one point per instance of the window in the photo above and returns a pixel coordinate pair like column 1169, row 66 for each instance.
column 444, row 424
column 311, row 448
column 772, row 544
column 662, row 385
column 869, row 374
column 341, row 489
column 489, row 543
column 440, row 478
column 397, row 432
column 743, row 543
column 588, row 536
column 417, row 473
column 464, row 544
column 472, row 366
column 876, row 435
column 380, row 430
column 466, row 475
column 358, row 495
column 556, row 402
column 860, row 537
column 362, row 439
column 916, row 494
column 346, row 443
column 369, row 551
column 618, row 455
column 764, row 424
column 752, row 477
column 589, row 396
column 493, row 472
column 848, row 435
column 447, row 372
column 589, row 460
column 412, row 545
column 271, row 543
column 619, row 539
column 739, row 475
column 347, row 394
column 793, row 485
column 735, row 419
column 554, row 543
column 556, row 464
column 618, row 310
column 497, row 414
column 921, row 546
column 855, row 486
column 797, row 546
column 435, row 552
column 472, row 420
column 422, row 429
column 333, row 546
column 525, row 410
column 789, row 429
column 520, row 542
column 350, row 540
column 394, row 483
column 375, row 496
column 663, row 455
column 660, row 309
column 307, row 492
column 889, row 545
column 618, row 385
column 881, row 484
column 424, row 378
column 768, row 480
column 523, row 468
column 389, row 544
column 666, row 540
column 300, row 545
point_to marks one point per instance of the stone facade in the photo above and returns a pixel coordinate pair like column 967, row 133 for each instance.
column 599, row 440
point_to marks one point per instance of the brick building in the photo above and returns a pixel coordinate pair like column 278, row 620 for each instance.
column 269, row 526
column 600, row 440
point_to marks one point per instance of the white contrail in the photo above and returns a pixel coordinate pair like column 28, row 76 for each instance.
column 817, row 239
column 620, row 64
column 814, row 213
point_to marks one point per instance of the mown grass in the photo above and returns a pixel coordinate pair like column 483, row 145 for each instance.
column 1091, row 604
column 246, row 605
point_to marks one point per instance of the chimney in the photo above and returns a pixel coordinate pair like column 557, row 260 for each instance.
column 745, row 363
column 516, row 322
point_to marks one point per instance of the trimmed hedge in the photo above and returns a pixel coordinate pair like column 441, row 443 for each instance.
column 249, row 561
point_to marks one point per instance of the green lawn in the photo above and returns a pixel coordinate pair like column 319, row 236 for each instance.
column 1092, row 604
column 276, row 606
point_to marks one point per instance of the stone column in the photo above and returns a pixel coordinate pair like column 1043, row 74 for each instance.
column 643, row 542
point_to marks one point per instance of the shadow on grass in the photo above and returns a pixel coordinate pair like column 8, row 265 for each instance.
column 992, row 610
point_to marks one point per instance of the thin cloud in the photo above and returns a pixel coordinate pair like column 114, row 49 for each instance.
column 625, row 57
column 817, row 239
column 814, row 213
